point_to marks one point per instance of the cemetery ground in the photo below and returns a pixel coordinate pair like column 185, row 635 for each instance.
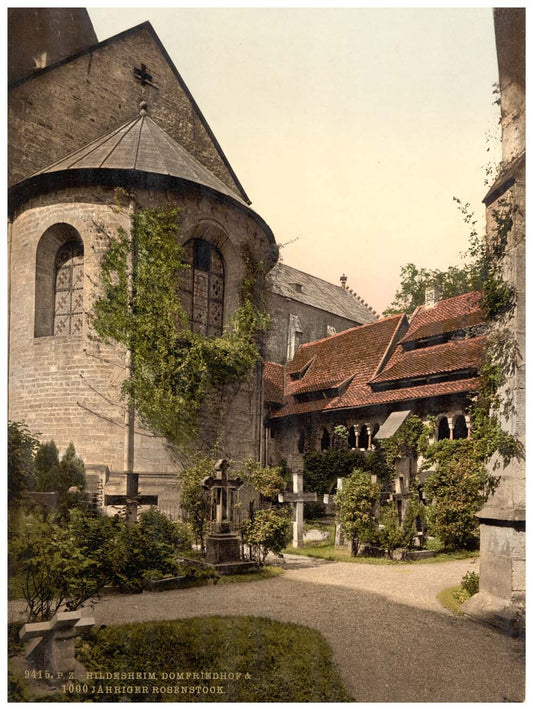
column 391, row 639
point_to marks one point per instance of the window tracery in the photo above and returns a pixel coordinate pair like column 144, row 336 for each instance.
column 202, row 288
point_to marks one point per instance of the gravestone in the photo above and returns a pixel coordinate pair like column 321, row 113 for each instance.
column 297, row 498
column 132, row 500
column 223, row 545
column 50, row 645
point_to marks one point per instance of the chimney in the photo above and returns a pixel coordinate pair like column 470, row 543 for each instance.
column 343, row 281
column 432, row 295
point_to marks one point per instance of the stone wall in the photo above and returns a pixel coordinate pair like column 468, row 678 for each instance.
column 59, row 111
column 39, row 37
column 314, row 324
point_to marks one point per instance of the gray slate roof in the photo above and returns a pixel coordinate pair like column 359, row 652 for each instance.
column 319, row 294
column 143, row 146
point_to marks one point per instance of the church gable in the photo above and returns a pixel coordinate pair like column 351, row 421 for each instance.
column 65, row 106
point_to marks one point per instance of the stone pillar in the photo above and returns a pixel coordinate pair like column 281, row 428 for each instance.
column 501, row 598
column 450, row 426
column 339, row 535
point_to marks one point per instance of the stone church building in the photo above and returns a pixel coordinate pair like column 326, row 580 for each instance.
column 86, row 118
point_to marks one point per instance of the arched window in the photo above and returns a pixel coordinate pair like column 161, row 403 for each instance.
column 59, row 282
column 460, row 430
column 325, row 442
column 202, row 289
column 443, row 432
column 351, row 438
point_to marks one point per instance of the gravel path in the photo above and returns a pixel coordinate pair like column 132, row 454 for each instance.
column 391, row 639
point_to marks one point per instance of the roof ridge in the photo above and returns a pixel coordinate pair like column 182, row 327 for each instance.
column 431, row 348
column 350, row 292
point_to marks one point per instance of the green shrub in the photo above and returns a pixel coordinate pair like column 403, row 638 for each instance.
column 56, row 567
column 134, row 551
column 457, row 489
column 392, row 535
column 268, row 531
column 470, row 583
column 355, row 504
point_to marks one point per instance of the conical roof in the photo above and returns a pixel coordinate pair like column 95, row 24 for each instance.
column 143, row 146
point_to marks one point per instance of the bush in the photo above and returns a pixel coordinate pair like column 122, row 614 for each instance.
column 134, row 552
column 321, row 469
column 470, row 583
column 57, row 567
column 268, row 481
column 392, row 535
column 457, row 489
column 268, row 531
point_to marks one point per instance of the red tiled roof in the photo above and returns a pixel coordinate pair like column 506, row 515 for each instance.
column 364, row 397
column 351, row 359
column 446, row 316
column 444, row 358
column 273, row 377
column 354, row 353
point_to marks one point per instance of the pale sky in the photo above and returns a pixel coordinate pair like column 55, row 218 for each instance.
column 351, row 129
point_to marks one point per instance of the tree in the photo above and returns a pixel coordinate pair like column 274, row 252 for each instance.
column 355, row 504
column 268, row 481
column 414, row 281
column 21, row 472
column 58, row 475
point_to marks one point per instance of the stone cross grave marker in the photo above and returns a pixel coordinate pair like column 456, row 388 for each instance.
column 297, row 498
column 223, row 489
column 50, row 645
column 133, row 499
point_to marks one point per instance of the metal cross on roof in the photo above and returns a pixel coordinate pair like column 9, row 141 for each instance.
column 143, row 76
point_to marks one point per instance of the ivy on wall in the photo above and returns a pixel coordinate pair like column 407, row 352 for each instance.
column 172, row 369
column 493, row 401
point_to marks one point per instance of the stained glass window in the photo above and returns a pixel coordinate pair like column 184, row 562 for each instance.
column 68, row 306
column 202, row 288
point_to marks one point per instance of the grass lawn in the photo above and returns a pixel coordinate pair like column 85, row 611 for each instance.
column 263, row 573
column 327, row 551
column 265, row 661
column 449, row 601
